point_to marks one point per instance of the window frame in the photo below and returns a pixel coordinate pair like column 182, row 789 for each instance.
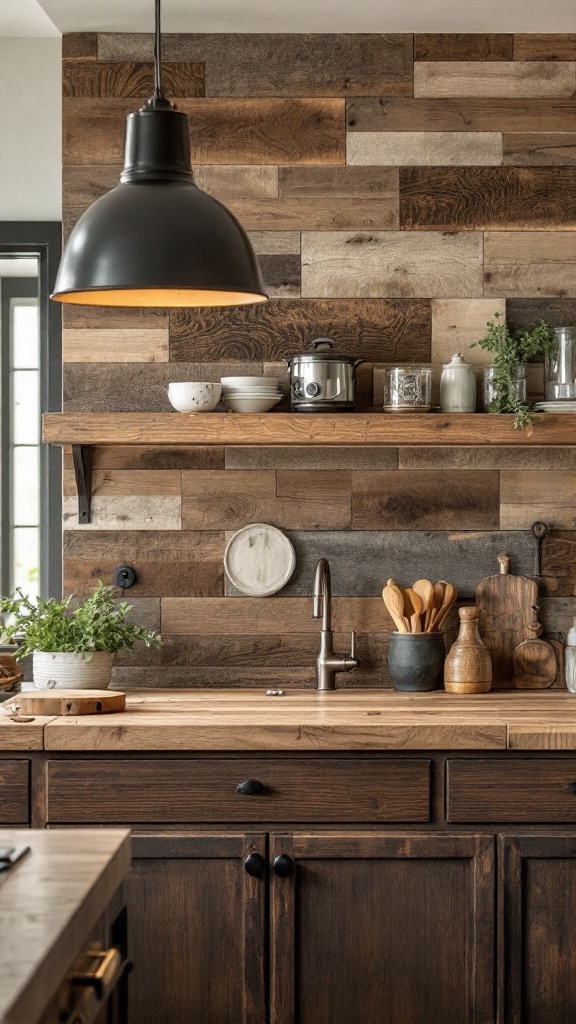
column 42, row 239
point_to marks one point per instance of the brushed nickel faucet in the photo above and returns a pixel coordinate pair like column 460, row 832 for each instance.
column 328, row 663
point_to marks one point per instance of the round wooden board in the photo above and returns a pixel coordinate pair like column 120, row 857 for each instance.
column 259, row 560
column 68, row 702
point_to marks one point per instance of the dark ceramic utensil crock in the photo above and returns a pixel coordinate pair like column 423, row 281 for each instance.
column 416, row 661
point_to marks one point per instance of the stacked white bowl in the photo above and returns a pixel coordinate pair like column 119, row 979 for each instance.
column 250, row 394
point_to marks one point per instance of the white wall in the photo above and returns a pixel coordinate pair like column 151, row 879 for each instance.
column 30, row 129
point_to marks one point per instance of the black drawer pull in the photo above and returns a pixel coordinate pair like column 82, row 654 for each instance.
column 282, row 865
column 254, row 865
column 250, row 787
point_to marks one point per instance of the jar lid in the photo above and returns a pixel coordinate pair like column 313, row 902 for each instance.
column 457, row 361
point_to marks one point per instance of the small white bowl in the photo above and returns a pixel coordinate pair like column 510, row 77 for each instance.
column 251, row 404
column 241, row 382
column 194, row 396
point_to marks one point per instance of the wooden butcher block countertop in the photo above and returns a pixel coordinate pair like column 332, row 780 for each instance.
column 23, row 735
column 50, row 901
column 308, row 720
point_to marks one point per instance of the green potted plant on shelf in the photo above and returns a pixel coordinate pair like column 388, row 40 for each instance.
column 71, row 645
column 505, row 380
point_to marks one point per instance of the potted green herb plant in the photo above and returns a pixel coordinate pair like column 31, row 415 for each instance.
column 71, row 645
column 505, row 385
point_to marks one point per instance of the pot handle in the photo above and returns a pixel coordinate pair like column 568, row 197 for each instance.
column 357, row 362
column 323, row 341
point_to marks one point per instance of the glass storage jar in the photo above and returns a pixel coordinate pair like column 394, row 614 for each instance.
column 516, row 389
column 560, row 366
column 407, row 388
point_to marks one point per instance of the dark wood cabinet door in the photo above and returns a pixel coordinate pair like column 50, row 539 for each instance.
column 537, row 929
column 382, row 928
column 197, row 930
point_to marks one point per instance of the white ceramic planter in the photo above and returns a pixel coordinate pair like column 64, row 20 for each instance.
column 65, row 670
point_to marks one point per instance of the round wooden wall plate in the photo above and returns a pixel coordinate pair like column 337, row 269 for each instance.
column 67, row 702
column 259, row 560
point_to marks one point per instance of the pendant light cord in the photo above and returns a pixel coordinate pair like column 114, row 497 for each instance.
column 158, row 93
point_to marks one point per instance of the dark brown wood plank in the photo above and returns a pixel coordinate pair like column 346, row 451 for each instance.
column 149, row 457
column 287, row 64
column 84, row 183
column 80, row 46
column 460, row 115
column 545, row 46
column 533, row 149
column 14, row 792
column 379, row 330
column 421, row 500
column 205, row 790
column 523, row 313
column 487, row 197
column 129, row 78
column 520, row 790
column 339, row 182
column 222, row 131
column 311, row 458
column 482, row 46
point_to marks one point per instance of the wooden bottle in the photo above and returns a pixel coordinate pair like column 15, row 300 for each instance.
column 534, row 661
column 468, row 667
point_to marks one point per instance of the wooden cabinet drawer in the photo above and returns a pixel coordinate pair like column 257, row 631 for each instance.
column 542, row 790
column 14, row 787
column 205, row 790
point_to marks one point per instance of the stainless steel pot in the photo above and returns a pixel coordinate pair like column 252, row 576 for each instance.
column 323, row 380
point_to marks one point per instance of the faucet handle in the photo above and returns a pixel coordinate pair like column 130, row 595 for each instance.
column 353, row 644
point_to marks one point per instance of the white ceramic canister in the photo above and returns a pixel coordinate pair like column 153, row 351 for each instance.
column 72, row 671
column 570, row 659
column 458, row 386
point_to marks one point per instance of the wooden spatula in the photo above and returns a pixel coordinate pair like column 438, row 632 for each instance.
column 450, row 595
column 413, row 609
column 425, row 592
column 394, row 601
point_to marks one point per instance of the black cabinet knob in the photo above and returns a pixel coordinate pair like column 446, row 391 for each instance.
column 282, row 865
column 254, row 865
column 250, row 787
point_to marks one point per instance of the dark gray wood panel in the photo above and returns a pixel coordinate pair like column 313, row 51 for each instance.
column 487, row 458
column 287, row 64
column 311, row 458
column 338, row 182
column 460, row 115
column 522, row 313
column 378, row 330
column 361, row 561
column 282, row 274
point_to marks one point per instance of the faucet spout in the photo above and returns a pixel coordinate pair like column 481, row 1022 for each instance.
column 328, row 663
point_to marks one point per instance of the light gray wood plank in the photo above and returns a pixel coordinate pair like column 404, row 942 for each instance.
column 139, row 512
column 115, row 346
column 395, row 263
column 275, row 243
column 530, row 263
column 311, row 458
column 512, row 79
column 419, row 148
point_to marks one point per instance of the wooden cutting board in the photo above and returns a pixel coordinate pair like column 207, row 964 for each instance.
column 506, row 612
column 67, row 702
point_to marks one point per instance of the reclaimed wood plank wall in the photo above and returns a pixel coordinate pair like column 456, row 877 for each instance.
column 399, row 190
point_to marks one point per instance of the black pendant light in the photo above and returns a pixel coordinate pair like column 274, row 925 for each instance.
column 157, row 239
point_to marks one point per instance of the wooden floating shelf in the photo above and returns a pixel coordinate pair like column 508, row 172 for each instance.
column 394, row 429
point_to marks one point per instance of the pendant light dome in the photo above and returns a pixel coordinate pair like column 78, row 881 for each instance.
column 157, row 239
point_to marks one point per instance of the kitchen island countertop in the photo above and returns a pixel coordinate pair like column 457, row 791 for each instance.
column 347, row 719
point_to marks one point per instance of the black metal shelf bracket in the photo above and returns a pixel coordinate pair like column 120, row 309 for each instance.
column 82, row 456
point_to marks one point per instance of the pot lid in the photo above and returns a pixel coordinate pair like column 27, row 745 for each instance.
column 323, row 350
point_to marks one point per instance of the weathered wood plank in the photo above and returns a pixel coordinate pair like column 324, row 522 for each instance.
column 83, row 184
column 80, row 46
column 362, row 560
column 137, row 387
column 112, row 346
column 129, row 78
column 338, row 182
column 523, row 313
column 480, row 46
column 287, row 64
column 311, row 458
column 424, row 500
column 261, row 483
column 503, row 79
column 281, row 275
column 380, row 330
column 222, row 131
column 344, row 265
column 533, row 149
column 403, row 149
column 479, row 198
column 81, row 318
column 251, row 616
column 231, row 511
column 485, row 458
column 460, row 115
column 559, row 558
column 529, row 263
column 275, row 243
column 521, row 517
column 173, row 579
column 150, row 457
column 527, row 487
column 129, row 482
column 545, row 46
column 128, row 677
column 162, row 546
column 295, row 213
column 295, row 651
column 126, row 513
column 458, row 323
column 313, row 483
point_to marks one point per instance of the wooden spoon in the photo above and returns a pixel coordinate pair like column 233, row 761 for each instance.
column 437, row 601
column 413, row 609
column 450, row 595
column 394, row 601
column 425, row 592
